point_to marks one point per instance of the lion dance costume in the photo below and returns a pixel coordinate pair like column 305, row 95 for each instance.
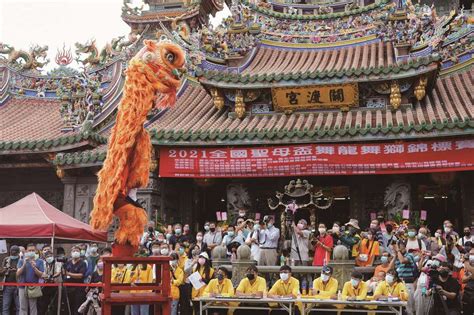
column 152, row 79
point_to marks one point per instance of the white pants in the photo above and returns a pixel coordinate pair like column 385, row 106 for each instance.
column 26, row 303
column 411, row 298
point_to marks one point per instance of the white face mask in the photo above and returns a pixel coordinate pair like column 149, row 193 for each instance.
column 336, row 229
column 199, row 238
column 447, row 230
column 471, row 259
column 355, row 282
column 373, row 226
column 324, row 277
column 75, row 254
column 437, row 234
column 284, row 276
column 164, row 251
column 322, row 230
column 389, row 279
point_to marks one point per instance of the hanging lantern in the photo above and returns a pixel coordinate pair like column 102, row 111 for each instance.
column 239, row 104
column 395, row 95
column 420, row 88
column 218, row 98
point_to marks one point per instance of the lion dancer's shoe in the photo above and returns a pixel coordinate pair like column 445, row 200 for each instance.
column 133, row 219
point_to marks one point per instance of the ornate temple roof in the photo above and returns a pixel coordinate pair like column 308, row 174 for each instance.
column 262, row 46
column 34, row 125
column 448, row 110
column 366, row 61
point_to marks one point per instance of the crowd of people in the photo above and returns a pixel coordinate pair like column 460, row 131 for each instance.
column 431, row 269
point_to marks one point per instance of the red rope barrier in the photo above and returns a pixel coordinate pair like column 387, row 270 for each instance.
column 65, row 284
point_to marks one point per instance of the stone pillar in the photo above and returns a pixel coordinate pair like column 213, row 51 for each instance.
column 241, row 264
column 342, row 266
column 219, row 256
column 69, row 195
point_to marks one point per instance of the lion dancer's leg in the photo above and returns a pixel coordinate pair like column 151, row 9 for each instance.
column 132, row 216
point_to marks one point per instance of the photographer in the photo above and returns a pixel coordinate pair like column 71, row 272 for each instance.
column 8, row 274
column 30, row 270
column 52, row 272
column 149, row 236
column 299, row 243
column 446, row 293
column 269, row 236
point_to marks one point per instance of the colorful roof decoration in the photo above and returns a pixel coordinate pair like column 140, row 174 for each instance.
column 412, row 70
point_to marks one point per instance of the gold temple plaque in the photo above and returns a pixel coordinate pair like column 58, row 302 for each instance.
column 316, row 97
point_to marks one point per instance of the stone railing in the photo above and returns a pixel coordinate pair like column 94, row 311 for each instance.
column 305, row 274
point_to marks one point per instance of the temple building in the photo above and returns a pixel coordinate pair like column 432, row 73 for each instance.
column 346, row 109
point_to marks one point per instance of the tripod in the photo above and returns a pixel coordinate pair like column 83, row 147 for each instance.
column 60, row 291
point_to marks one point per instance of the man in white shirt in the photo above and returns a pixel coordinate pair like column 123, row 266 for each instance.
column 253, row 240
column 467, row 236
column 414, row 243
column 269, row 242
column 299, row 243
column 213, row 237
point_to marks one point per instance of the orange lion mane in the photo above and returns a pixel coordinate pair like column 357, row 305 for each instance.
column 151, row 80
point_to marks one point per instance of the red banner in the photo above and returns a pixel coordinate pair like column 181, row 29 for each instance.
column 318, row 159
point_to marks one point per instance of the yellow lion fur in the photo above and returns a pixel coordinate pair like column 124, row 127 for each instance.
column 150, row 81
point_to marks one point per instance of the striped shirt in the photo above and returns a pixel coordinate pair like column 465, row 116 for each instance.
column 406, row 272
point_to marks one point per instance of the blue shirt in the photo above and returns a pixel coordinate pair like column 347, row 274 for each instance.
column 406, row 272
column 29, row 275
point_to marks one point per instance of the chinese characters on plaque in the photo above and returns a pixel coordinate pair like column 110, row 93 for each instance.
column 318, row 159
column 315, row 96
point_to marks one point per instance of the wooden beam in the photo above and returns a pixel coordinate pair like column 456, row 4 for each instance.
column 26, row 165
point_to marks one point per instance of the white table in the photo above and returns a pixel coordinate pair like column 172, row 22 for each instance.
column 206, row 303
column 390, row 307
column 309, row 304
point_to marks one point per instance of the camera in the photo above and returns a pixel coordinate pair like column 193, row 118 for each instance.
column 62, row 259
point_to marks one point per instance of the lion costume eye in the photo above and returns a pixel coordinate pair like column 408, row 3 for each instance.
column 170, row 57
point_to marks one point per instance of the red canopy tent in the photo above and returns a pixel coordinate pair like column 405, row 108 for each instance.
column 33, row 217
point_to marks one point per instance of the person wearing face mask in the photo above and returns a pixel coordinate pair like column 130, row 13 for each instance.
column 44, row 250
column 413, row 242
column 251, row 286
column 178, row 236
column 232, row 237
column 299, row 243
column 92, row 258
column 368, row 250
column 468, row 282
column 253, row 240
column 76, row 269
column 377, row 231
column 407, row 269
column 355, row 289
column 8, row 274
column 448, row 230
column 386, row 262
column 391, row 287
column 150, row 235
column 212, row 237
column 335, row 232
column 51, row 274
column 29, row 270
column 467, row 236
column 325, row 287
column 269, row 237
column 188, row 236
column 286, row 287
column 155, row 249
column 446, row 293
column 351, row 238
column 185, row 290
column 207, row 272
column 389, row 238
column 200, row 242
column 323, row 247
column 177, row 279
column 220, row 286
